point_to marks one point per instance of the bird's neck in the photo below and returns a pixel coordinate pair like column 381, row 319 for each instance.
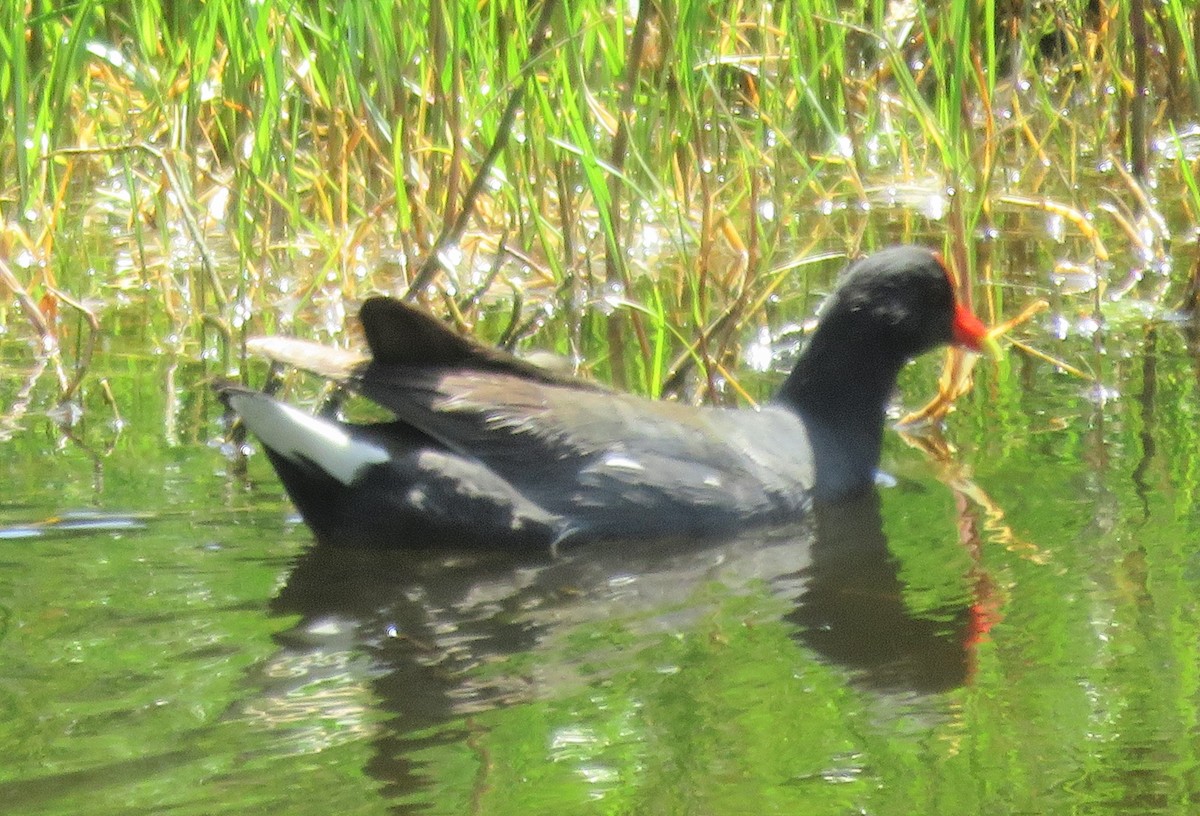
column 841, row 388
column 841, row 378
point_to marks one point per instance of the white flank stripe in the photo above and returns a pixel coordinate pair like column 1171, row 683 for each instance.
column 619, row 461
column 294, row 434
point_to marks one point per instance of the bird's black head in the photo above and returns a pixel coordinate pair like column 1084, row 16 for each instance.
column 900, row 303
column 887, row 309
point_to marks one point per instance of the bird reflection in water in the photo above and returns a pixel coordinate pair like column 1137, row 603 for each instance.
column 422, row 623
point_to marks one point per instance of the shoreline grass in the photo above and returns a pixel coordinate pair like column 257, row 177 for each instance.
column 256, row 167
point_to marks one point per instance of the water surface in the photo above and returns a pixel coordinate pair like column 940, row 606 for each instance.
column 1009, row 630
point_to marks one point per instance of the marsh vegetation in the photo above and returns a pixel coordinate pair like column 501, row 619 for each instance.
column 659, row 194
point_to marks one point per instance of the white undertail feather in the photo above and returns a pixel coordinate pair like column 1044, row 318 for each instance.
column 295, row 435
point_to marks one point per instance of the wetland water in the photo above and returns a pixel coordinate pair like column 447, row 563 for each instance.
column 1015, row 631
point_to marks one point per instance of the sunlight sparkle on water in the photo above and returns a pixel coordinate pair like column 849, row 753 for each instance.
column 612, row 298
column 1056, row 227
column 210, row 89
column 218, row 204
column 1073, row 278
column 1088, row 326
column 598, row 774
column 1185, row 141
column 333, row 314
column 935, row 206
column 568, row 738
column 1100, row 394
column 873, row 147
column 651, row 241
column 759, row 353
column 242, row 312
column 183, row 251
column 451, row 256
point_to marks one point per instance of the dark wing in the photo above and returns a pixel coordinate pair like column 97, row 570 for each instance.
column 403, row 335
column 577, row 451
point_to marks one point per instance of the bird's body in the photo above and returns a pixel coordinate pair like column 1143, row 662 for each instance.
column 487, row 450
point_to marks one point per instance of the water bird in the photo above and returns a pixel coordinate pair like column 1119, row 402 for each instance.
column 488, row 450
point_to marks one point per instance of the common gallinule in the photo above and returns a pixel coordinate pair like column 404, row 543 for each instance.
column 489, row 450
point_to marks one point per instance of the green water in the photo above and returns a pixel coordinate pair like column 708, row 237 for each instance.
column 1014, row 632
